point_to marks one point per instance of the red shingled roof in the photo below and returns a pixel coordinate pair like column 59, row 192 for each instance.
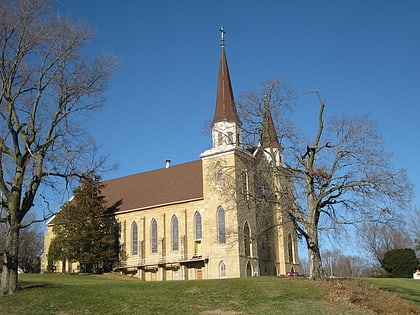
column 175, row 184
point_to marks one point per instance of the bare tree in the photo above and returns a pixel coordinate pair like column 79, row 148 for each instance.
column 46, row 89
column 336, row 264
column 414, row 228
column 378, row 238
column 342, row 177
column 252, row 107
column 30, row 248
column 331, row 258
column 31, row 239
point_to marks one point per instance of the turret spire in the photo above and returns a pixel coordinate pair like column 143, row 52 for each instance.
column 268, row 134
column 269, row 143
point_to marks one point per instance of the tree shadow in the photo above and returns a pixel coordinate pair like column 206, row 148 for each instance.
column 23, row 286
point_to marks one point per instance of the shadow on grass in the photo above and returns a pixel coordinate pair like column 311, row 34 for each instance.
column 23, row 286
column 406, row 293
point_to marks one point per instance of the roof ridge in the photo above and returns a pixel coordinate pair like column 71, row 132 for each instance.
column 151, row 171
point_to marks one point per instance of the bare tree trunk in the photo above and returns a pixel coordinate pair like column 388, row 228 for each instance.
column 9, row 276
column 46, row 87
column 315, row 265
column 344, row 174
column 314, row 253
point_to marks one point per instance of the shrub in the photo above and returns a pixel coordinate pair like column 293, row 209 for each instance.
column 400, row 262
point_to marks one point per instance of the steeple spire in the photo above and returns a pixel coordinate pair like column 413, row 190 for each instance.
column 269, row 143
column 268, row 135
column 226, row 126
column 225, row 103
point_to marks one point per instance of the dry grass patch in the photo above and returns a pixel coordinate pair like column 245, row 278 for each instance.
column 367, row 297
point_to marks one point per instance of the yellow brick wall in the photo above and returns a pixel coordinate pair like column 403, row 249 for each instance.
column 225, row 191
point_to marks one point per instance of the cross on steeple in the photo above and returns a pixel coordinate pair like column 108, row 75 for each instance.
column 222, row 33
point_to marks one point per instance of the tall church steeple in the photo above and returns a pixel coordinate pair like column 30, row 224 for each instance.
column 226, row 132
column 225, row 103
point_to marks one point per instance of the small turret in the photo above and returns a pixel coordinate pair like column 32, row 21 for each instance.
column 269, row 142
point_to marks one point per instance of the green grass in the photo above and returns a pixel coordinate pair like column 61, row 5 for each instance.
column 90, row 294
column 409, row 289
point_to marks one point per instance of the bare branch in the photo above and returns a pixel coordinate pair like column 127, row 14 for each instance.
column 46, row 90
column 343, row 177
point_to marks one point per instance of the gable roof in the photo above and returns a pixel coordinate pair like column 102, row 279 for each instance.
column 178, row 183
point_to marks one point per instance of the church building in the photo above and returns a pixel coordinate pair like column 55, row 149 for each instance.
column 209, row 218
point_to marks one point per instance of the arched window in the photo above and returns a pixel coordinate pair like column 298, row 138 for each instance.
column 222, row 270
column 221, row 230
column 230, row 138
column 247, row 240
column 134, row 238
column 248, row 269
column 290, row 249
column 219, row 138
column 197, row 226
column 175, row 237
column 154, row 239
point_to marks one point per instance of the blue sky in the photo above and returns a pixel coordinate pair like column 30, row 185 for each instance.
column 363, row 56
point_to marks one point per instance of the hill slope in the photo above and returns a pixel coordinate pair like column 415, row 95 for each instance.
column 90, row 294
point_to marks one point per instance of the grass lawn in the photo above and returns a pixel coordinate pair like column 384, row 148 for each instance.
column 91, row 294
column 407, row 288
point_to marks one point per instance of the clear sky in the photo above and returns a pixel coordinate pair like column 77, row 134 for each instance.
column 362, row 55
